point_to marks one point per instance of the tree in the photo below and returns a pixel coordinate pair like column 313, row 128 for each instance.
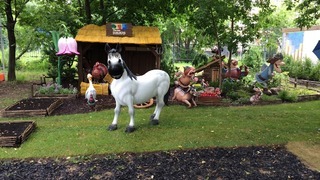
column 12, row 11
column 308, row 11
column 230, row 23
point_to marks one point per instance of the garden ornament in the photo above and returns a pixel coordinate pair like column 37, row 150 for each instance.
column 99, row 71
column 267, row 72
column 128, row 89
column 183, row 91
column 67, row 46
column 223, row 52
column 185, row 97
column 256, row 97
column 91, row 93
column 235, row 72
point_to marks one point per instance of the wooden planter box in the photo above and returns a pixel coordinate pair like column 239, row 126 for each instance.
column 209, row 101
column 14, row 133
column 42, row 109
column 60, row 96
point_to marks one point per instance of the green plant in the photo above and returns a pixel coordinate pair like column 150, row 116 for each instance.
column 314, row 74
column 229, row 87
column 214, row 84
column 200, row 59
column 288, row 96
column 49, row 89
column 252, row 58
column 278, row 79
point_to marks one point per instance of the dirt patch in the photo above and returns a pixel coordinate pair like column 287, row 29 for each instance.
column 308, row 153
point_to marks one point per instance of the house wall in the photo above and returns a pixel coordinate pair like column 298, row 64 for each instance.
column 300, row 43
column 139, row 62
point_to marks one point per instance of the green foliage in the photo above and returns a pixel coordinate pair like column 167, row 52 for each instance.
column 167, row 63
column 30, row 64
column 307, row 11
column 200, row 60
column 252, row 58
column 288, row 96
column 278, row 79
column 214, row 84
column 302, row 69
column 223, row 21
column 49, row 89
column 315, row 72
column 230, row 89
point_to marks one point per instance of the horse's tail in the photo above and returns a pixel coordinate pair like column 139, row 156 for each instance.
column 166, row 97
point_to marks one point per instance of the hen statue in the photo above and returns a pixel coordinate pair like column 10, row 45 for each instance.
column 91, row 93
column 99, row 71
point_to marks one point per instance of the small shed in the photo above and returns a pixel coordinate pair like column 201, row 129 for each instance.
column 211, row 71
column 141, row 48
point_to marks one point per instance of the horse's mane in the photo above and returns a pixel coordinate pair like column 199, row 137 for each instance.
column 130, row 74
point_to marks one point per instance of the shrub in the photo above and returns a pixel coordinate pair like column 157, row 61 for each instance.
column 278, row 79
column 315, row 73
column 288, row 96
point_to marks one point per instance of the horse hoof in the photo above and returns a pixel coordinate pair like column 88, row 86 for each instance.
column 154, row 122
column 113, row 127
column 152, row 116
column 130, row 129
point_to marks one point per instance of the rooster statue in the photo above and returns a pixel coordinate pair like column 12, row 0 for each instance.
column 99, row 71
column 91, row 93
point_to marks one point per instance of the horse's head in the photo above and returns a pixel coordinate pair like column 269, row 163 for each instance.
column 116, row 64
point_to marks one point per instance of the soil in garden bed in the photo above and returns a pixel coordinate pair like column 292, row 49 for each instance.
column 79, row 105
column 256, row 162
column 14, row 133
column 12, row 128
column 33, row 104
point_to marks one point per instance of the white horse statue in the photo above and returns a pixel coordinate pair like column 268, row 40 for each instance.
column 128, row 89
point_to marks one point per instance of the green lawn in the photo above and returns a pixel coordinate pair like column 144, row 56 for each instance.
column 86, row 134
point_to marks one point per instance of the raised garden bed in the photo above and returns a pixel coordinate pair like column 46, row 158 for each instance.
column 14, row 133
column 62, row 96
column 32, row 107
column 209, row 101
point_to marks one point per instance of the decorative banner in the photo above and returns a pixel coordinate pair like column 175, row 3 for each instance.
column 119, row 29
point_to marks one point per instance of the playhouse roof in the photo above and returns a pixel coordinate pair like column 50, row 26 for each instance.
column 207, row 65
column 140, row 35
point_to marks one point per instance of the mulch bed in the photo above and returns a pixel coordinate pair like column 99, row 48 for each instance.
column 273, row 162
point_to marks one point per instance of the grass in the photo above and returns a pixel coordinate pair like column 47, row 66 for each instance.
column 180, row 128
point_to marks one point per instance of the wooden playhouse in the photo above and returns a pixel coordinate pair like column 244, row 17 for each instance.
column 211, row 71
column 141, row 49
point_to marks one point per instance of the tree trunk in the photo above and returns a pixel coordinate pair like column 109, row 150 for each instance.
column 88, row 11
column 12, row 42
